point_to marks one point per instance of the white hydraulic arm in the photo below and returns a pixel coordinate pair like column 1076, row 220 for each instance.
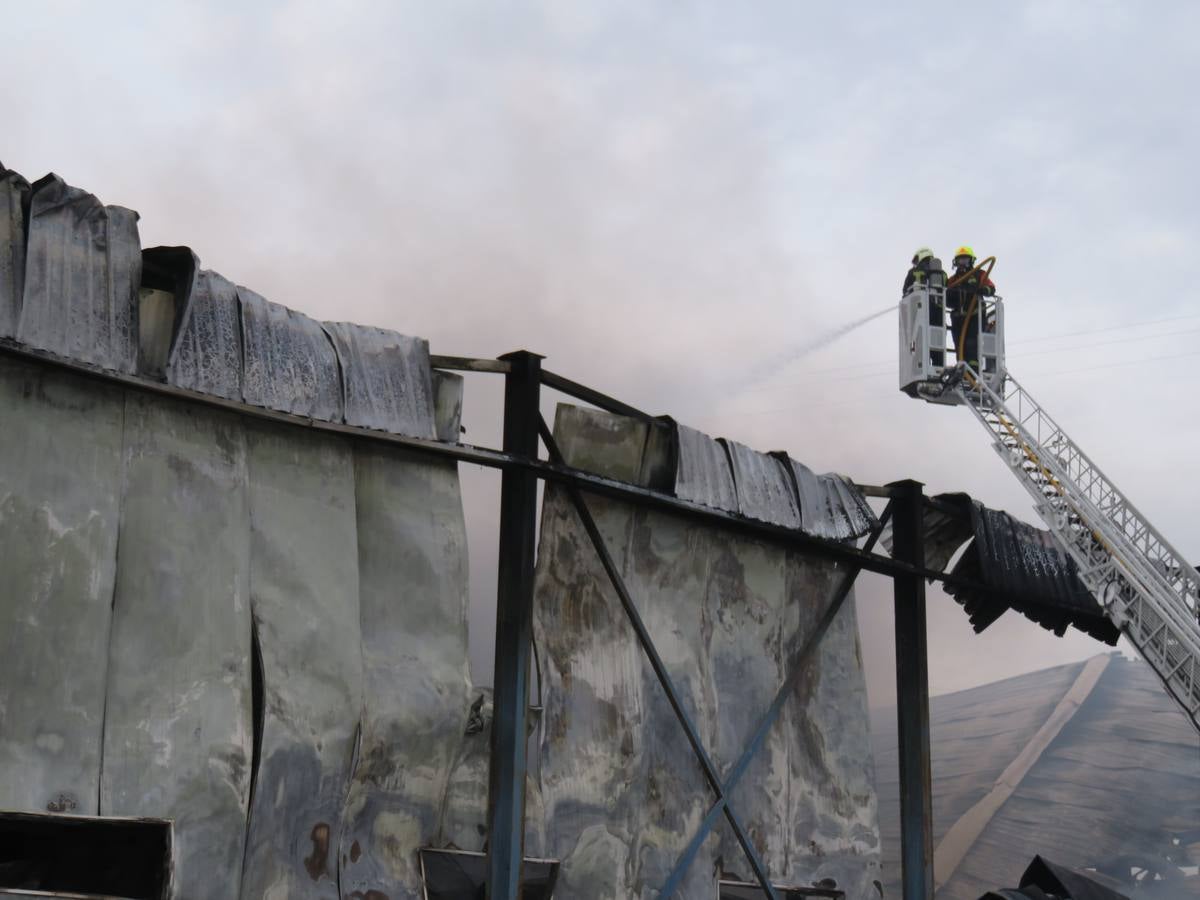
column 1145, row 586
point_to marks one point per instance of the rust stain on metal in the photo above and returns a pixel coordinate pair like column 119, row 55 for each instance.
column 317, row 863
column 355, row 852
column 369, row 895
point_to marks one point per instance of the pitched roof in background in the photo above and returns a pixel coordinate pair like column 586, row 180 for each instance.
column 1103, row 777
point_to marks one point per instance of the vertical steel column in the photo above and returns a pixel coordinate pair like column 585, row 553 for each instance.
column 912, row 693
column 514, row 629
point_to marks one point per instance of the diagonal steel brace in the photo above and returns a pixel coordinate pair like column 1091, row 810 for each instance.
column 660, row 669
column 764, row 725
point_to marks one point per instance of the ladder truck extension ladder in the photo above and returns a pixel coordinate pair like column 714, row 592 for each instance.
column 1145, row 587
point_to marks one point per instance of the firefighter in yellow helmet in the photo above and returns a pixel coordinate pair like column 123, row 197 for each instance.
column 967, row 286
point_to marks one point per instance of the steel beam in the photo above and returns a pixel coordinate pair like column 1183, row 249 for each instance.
column 795, row 669
column 707, row 766
column 514, row 629
column 912, row 693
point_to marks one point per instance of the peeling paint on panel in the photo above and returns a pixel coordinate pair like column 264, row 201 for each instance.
column 82, row 270
column 60, row 476
column 289, row 361
column 14, row 200
column 413, row 596
column 177, row 739
column 304, row 599
column 386, row 379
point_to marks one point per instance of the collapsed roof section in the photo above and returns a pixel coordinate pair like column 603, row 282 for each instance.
column 1008, row 564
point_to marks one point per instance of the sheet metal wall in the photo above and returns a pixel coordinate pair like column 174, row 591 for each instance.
column 621, row 790
column 260, row 632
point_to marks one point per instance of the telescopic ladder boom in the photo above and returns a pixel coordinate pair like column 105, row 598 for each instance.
column 1145, row 586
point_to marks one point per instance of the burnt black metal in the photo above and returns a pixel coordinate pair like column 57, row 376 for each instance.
column 514, row 629
column 795, row 670
column 587, row 395
column 660, row 670
column 912, row 694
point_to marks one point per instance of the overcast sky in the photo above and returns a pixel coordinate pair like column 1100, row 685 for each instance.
column 659, row 197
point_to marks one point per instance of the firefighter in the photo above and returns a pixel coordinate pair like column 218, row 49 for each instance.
column 967, row 287
column 923, row 262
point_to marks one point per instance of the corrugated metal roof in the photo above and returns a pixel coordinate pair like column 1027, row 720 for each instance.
column 14, row 196
column 208, row 349
column 830, row 506
column 288, row 361
column 765, row 491
column 72, row 289
column 770, row 487
column 703, row 475
column 1021, row 567
column 83, row 266
column 386, row 379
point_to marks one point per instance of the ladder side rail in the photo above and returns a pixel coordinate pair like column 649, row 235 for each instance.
column 1097, row 569
column 1153, row 544
column 1184, row 580
column 1150, row 582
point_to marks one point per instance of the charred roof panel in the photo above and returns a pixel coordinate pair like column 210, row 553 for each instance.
column 82, row 270
column 1022, row 568
column 207, row 356
column 830, row 507
column 386, row 379
column 703, row 475
column 764, row 488
column 289, row 361
column 14, row 201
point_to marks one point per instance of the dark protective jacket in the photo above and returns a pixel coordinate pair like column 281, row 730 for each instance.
column 958, row 297
column 927, row 269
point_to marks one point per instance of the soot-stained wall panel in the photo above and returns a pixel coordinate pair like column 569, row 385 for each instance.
column 623, row 794
column 60, row 476
column 82, row 270
column 207, row 356
column 764, row 489
column 289, row 361
column 177, row 739
column 304, row 600
column 416, row 690
column 386, row 379
column 14, row 195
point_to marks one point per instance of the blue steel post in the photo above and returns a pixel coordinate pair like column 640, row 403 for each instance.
column 912, row 693
column 514, row 628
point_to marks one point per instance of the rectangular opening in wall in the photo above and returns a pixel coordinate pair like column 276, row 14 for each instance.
column 746, row 890
column 461, row 874
column 85, row 856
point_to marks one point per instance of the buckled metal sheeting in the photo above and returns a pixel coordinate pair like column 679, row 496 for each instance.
column 82, row 270
column 769, row 487
column 1025, row 569
column 207, row 356
column 14, row 195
